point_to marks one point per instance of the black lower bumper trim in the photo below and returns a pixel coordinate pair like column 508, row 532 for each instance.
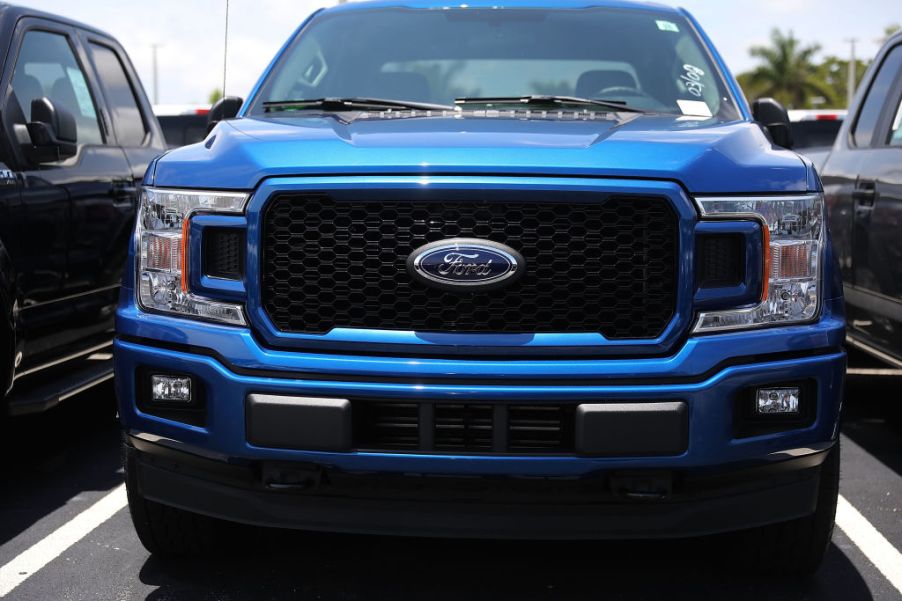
column 311, row 497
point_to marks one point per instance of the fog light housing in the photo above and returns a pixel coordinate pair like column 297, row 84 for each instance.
column 170, row 389
column 778, row 401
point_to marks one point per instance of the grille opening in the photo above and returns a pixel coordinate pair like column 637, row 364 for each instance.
column 720, row 260
column 389, row 426
column 538, row 428
column 593, row 263
column 223, row 253
column 480, row 428
column 463, row 427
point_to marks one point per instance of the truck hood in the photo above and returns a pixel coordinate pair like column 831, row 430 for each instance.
column 706, row 156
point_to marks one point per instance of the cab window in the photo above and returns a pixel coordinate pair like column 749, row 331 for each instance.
column 120, row 96
column 46, row 66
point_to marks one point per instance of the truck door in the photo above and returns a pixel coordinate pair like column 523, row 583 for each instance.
column 50, row 63
column 875, row 292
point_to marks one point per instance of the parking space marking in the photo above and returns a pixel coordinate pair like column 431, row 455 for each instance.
column 874, row 545
column 54, row 544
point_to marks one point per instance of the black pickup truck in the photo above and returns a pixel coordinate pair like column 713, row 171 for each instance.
column 76, row 135
column 863, row 185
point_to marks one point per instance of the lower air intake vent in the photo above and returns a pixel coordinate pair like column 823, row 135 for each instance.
column 540, row 428
column 463, row 427
column 389, row 426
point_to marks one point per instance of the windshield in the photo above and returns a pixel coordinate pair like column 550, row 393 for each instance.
column 646, row 59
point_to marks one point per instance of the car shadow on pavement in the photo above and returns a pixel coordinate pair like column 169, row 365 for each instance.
column 292, row 565
column 872, row 417
column 49, row 458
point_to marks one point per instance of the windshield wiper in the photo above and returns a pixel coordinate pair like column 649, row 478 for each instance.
column 538, row 100
column 351, row 103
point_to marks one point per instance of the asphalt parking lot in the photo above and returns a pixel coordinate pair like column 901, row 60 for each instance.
column 61, row 480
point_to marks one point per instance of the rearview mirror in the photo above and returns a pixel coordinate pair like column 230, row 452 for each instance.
column 225, row 108
column 53, row 132
column 774, row 118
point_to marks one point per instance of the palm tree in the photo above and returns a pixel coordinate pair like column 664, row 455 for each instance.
column 787, row 71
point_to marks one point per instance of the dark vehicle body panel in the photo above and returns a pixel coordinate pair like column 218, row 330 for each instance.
column 66, row 225
column 863, row 186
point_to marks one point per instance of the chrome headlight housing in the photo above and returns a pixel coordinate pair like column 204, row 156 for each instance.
column 794, row 237
column 161, row 238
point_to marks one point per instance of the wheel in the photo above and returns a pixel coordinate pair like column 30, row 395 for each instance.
column 796, row 548
column 171, row 532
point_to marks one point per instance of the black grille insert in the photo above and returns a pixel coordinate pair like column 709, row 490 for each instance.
column 481, row 428
column 223, row 253
column 593, row 264
column 720, row 260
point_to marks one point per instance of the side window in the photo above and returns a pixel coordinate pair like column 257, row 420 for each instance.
column 120, row 96
column 47, row 67
column 863, row 130
column 895, row 134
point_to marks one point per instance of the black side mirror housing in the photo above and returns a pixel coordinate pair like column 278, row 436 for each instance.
column 775, row 120
column 225, row 108
column 53, row 132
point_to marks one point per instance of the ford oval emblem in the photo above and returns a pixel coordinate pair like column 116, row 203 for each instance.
column 465, row 264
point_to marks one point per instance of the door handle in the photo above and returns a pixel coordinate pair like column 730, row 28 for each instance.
column 864, row 194
column 124, row 191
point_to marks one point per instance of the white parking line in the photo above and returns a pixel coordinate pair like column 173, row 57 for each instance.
column 53, row 545
column 874, row 545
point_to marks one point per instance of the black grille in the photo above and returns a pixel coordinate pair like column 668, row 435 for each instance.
column 389, row 426
column 537, row 428
column 223, row 250
column 601, row 264
column 464, row 427
column 720, row 260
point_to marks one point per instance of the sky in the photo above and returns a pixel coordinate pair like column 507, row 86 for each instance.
column 190, row 33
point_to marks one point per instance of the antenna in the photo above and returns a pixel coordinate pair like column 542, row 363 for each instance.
column 225, row 49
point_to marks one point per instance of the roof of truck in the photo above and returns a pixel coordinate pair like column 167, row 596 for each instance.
column 356, row 5
column 13, row 13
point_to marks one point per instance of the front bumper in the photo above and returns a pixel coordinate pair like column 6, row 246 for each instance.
column 720, row 482
column 591, row 507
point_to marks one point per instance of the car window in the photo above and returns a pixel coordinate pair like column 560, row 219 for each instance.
column 46, row 66
column 895, row 134
column 120, row 96
column 863, row 132
column 649, row 60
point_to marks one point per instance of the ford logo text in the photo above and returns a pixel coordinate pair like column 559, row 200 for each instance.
column 465, row 264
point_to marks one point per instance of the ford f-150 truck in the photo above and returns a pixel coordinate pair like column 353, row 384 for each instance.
column 505, row 269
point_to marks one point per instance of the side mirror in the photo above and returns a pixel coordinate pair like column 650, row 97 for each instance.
column 225, row 108
column 774, row 118
column 53, row 132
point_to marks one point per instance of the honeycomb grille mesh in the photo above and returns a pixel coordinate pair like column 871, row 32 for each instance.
column 605, row 266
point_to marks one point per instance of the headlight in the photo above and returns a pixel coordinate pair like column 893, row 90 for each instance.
column 164, row 219
column 793, row 239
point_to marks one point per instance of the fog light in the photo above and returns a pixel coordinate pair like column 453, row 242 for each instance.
column 170, row 389
column 778, row 401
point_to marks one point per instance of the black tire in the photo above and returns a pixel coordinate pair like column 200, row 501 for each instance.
column 796, row 548
column 171, row 532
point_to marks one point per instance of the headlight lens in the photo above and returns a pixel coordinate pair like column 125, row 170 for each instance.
column 161, row 236
column 794, row 235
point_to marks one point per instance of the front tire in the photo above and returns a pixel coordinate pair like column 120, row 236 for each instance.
column 171, row 532
column 796, row 548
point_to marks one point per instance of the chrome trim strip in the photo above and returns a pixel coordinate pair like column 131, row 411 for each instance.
column 67, row 358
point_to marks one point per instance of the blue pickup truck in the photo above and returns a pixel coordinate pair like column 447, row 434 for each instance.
column 503, row 270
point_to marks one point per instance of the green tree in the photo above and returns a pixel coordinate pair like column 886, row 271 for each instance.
column 786, row 71
column 214, row 96
column 834, row 73
column 888, row 32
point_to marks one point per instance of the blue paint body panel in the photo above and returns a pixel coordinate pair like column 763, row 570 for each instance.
column 665, row 156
